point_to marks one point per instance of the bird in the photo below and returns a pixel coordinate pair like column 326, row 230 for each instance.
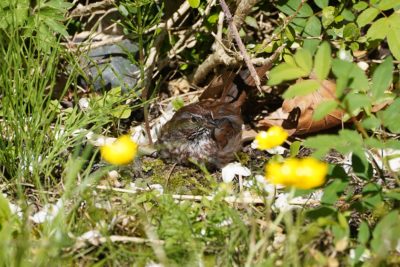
column 209, row 131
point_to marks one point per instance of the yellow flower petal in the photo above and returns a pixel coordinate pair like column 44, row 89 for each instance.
column 282, row 173
column 304, row 173
column 275, row 136
column 311, row 173
column 122, row 151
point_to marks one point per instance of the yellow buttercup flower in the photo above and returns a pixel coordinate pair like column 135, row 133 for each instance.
column 304, row 173
column 275, row 136
column 282, row 173
column 121, row 152
column 311, row 173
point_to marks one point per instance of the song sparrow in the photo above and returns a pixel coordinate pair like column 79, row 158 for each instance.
column 208, row 131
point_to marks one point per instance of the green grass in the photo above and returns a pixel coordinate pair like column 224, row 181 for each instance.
column 45, row 157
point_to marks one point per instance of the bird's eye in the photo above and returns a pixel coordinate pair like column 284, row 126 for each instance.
column 194, row 119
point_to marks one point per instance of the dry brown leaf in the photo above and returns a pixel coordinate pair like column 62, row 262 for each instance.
column 178, row 86
column 296, row 114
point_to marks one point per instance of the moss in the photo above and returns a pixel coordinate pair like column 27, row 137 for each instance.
column 243, row 158
column 175, row 179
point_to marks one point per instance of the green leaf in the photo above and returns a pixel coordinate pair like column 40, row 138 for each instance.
column 328, row 16
column 289, row 7
column 60, row 5
column 362, row 168
column 371, row 123
column 392, row 195
column 300, row 88
column 349, row 75
column 323, row 61
column 388, row 4
column 122, row 9
column 290, row 33
column 382, row 78
column 298, row 24
column 360, row 5
column 367, row 16
column 321, row 3
column 358, row 252
column 378, row 30
column 347, row 141
column 311, row 45
column 363, row 233
column 56, row 26
column 295, row 148
column 356, row 102
column 324, row 109
column 321, row 143
column 177, row 103
column 312, row 29
column 390, row 117
column 348, row 15
column 372, row 195
column 322, row 212
column 335, row 189
column 285, row 72
column 393, row 38
column 351, row 32
column 194, row 3
column 251, row 21
column 213, row 18
column 386, row 234
column 303, row 59
column 5, row 212
column 121, row 112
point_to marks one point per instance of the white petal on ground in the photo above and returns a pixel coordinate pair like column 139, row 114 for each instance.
column 157, row 187
column 282, row 202
column 278, row 150
column 138, row 135
column 232, row 169
column 83, row 103
column 363, row 65
column 48, row 213
column 365, row 256
column 139, row 132
column 345, row 55
column 99, row 140
column 92, row 236
column 225, row 222
column 268, row 187
column 254, row 144
column 15, row 209
column 248, row 183
column 153, row 264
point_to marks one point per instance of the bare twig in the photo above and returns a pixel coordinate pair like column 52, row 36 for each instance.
column 240, row 44
column 88, row 10
column 243, row 9
column 82, row 243
column 187, row 36
column 240, row 199
column 173, row 19
column 152, row 59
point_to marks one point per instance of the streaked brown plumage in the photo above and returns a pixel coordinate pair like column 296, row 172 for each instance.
column 209, row 131
column 205, row 132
